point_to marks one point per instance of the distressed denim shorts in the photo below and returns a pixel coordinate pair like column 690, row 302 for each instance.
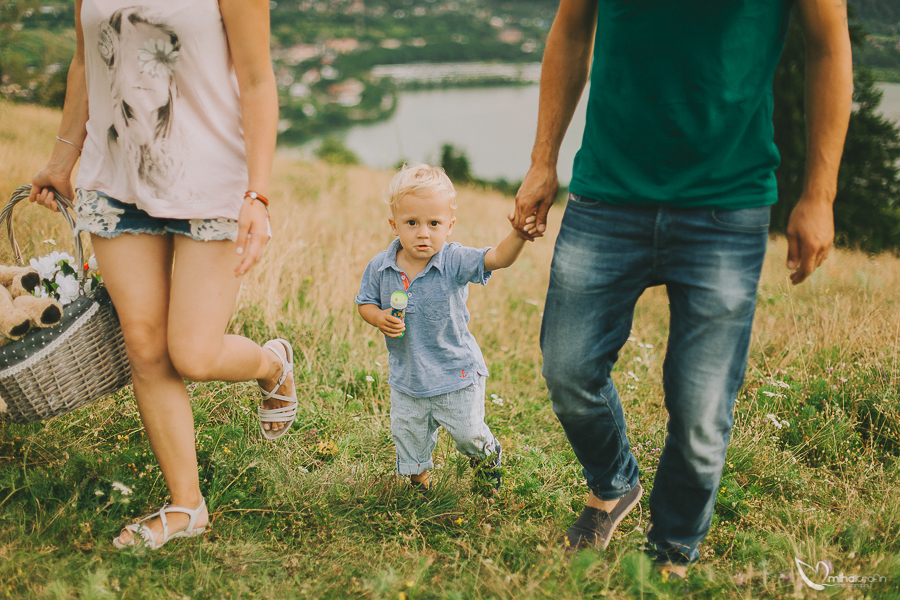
column 98, row 214
column 415, row 421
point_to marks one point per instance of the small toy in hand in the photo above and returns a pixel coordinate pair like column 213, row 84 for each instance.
column 19, row 309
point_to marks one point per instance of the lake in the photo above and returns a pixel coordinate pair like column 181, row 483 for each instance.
column 494, row 125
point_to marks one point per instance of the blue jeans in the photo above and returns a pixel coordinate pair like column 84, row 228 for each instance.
column 606, row 256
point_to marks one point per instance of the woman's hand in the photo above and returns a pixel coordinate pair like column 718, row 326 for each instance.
column 253, row 224
column 45, row 182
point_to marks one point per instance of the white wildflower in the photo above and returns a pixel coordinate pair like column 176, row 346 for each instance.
column 774, row 420
column 369, row 378
column 50, row 241
column 124, row 489
column 632, row 375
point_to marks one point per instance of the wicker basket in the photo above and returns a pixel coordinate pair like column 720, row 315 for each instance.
column 52, row 371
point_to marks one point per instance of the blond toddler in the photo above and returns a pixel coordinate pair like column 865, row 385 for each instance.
column 437, row 371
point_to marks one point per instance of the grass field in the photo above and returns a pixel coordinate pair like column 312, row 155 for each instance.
column 812, row 472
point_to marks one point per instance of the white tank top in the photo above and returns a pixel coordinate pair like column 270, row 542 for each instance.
column 164, row 130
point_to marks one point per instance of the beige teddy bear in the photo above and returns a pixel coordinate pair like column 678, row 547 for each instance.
column 19, row 309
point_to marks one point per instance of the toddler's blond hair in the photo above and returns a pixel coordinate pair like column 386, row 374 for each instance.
column 419, row 180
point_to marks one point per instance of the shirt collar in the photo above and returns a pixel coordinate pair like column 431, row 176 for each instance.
column 390, row 261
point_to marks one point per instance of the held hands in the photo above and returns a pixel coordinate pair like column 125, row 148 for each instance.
column 533, row 201
column 389, row 325
column 253, row 234
column 529, row 232
column 810, row 234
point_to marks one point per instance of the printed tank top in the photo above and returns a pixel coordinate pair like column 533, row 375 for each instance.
column 164, row 131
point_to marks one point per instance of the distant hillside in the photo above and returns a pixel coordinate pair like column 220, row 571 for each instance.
column 885, row 12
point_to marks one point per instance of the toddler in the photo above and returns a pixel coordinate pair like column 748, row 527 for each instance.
column 437, row 371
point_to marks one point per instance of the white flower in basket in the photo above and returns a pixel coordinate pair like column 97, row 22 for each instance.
column 48, row 266
column 59, row 280
column 67, row 287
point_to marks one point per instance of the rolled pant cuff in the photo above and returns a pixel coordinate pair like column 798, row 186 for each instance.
column 414, row 468
column 667, row 553
column 605, row 496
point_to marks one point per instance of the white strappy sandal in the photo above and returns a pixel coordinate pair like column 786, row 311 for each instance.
column 143, row 535
column 285, row 414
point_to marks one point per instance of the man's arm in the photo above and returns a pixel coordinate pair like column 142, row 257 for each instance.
column 564, row 73
column 829, row 93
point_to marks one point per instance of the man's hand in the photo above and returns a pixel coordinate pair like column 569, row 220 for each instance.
column 389, row 325
column 533, row 201
column 810, row 234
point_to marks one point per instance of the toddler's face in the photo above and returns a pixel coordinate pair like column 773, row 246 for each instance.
column 422, row 225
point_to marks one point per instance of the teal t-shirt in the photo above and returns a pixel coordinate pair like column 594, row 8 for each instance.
column 680, row 105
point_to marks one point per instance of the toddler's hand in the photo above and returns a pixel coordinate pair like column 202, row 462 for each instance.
column 529, row 230
column 389, row 325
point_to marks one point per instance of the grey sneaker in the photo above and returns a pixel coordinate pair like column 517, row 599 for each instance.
column 595, row 527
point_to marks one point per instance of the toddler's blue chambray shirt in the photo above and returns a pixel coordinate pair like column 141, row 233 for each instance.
column 437, row 353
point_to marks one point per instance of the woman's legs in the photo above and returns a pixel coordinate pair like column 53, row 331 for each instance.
column 174, row 324
column 137, row 273
column 204, row 290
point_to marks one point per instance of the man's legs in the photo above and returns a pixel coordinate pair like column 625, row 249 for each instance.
column 710, row 262
column 601, row 265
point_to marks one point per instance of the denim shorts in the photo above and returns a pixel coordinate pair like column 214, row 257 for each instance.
column 98, row 214
column 415, row 421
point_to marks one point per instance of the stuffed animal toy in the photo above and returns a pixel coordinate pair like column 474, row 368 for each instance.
column 19, row 310
column 19, row 280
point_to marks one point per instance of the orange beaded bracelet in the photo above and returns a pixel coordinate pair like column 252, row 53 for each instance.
column 257, row 196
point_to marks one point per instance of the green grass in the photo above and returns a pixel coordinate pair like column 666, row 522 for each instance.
column 321, row 514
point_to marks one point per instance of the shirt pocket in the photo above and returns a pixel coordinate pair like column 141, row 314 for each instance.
column 436, row 309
